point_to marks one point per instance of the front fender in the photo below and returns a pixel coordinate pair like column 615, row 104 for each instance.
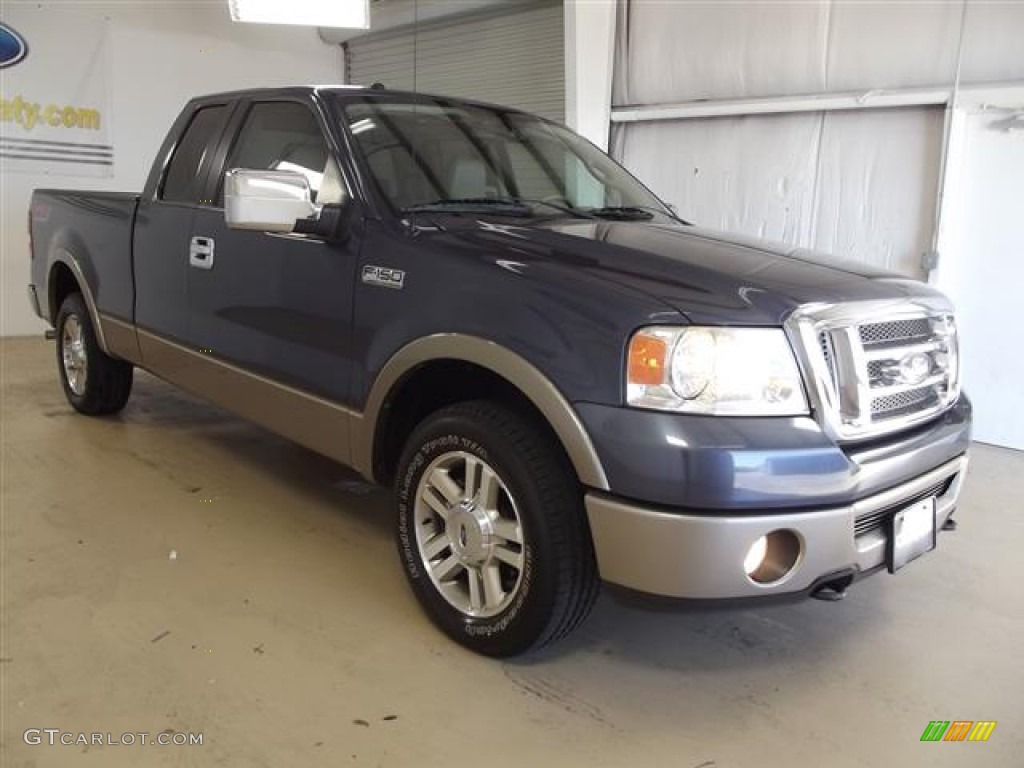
column 558, row 411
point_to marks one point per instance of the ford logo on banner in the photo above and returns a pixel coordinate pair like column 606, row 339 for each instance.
column 13, row 47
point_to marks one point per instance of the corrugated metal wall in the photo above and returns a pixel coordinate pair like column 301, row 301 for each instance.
column 515, row 58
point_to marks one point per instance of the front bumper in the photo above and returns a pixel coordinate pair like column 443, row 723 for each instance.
column 684, row 555
column 740, row 464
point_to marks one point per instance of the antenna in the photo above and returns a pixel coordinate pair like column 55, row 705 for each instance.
column 415, row 41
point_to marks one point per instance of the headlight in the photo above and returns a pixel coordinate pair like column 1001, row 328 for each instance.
column 721, row 371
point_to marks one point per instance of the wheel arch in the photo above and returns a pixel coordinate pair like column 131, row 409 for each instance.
column 524, row 379
column 63, row 276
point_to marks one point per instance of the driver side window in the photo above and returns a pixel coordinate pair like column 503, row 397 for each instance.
column 285, row 136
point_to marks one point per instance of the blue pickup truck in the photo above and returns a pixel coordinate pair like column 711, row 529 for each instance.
column 564, row 382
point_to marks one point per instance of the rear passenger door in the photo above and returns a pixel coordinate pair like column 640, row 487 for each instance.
column 277, row 305
column 163, row 227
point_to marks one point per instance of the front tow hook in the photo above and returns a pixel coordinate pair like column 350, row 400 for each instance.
column 833, row 591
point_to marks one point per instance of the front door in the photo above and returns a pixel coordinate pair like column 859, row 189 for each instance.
column 271, row 311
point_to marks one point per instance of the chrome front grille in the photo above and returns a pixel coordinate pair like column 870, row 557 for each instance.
column 868, row 376
column 877, row 518
column 898, row 332
column 890, row 406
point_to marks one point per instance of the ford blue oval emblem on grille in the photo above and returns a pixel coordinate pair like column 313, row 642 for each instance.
column 13, row 47
column 915, row 368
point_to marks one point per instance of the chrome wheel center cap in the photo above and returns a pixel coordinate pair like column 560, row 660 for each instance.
column 470, row 531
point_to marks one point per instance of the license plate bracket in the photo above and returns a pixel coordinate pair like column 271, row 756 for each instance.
column 911, row 533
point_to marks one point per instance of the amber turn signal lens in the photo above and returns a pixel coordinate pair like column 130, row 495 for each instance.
column 647, row 358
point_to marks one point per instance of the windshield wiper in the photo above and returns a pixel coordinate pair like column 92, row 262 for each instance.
column 512, row 207
column 578, row 213
column 518, row 206
column 624, row 212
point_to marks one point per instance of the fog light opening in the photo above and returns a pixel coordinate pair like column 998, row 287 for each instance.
column 772, row 557
column 755, row 557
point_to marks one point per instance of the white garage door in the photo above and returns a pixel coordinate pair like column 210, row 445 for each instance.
column 516, row 59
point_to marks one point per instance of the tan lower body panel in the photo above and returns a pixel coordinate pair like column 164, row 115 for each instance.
column 122, row 341
column 314, row 422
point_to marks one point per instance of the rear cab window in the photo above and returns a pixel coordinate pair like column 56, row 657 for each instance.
column 182, row 181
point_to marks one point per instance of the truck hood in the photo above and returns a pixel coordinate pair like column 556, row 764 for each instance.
column 708, row 276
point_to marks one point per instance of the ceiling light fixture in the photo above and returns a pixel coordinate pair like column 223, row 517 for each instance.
column 350, row 14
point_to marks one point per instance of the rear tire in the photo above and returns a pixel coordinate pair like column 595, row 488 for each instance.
column 491, row 530
column 94, row 383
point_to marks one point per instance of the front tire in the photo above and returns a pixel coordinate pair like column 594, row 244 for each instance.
column 94, row 383
column 491, row 530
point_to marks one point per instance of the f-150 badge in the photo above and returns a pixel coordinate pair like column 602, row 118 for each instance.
column 384, row 276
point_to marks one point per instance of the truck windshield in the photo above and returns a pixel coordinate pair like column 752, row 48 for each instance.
column 436, row 155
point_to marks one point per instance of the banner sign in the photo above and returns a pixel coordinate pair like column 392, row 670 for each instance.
column 55, row 110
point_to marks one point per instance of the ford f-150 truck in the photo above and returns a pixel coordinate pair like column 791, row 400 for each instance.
column 565, row 383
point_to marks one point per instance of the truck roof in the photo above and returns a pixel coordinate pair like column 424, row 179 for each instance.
column 341, row 89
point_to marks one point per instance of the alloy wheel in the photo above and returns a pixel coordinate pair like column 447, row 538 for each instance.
column 469, row 534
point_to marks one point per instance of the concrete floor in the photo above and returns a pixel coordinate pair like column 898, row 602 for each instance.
column 284, row 633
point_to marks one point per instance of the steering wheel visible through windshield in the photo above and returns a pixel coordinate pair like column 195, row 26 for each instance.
column 435, row 155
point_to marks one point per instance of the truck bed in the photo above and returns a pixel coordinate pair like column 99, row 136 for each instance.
column 97, row 228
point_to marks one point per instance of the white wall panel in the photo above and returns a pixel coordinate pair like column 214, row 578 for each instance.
column 859, row 185
column 684, row 51
column 749, row 174
column 891, row 45
column 876, row 187
column 589, row 66
column 994, row 42
column 983, row 270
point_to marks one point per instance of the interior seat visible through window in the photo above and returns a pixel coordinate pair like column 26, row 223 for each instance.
column 285, row 136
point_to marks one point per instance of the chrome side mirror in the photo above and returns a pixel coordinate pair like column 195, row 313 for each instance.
column 270, row 201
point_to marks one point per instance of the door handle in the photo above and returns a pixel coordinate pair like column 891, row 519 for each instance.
column 200, row 252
